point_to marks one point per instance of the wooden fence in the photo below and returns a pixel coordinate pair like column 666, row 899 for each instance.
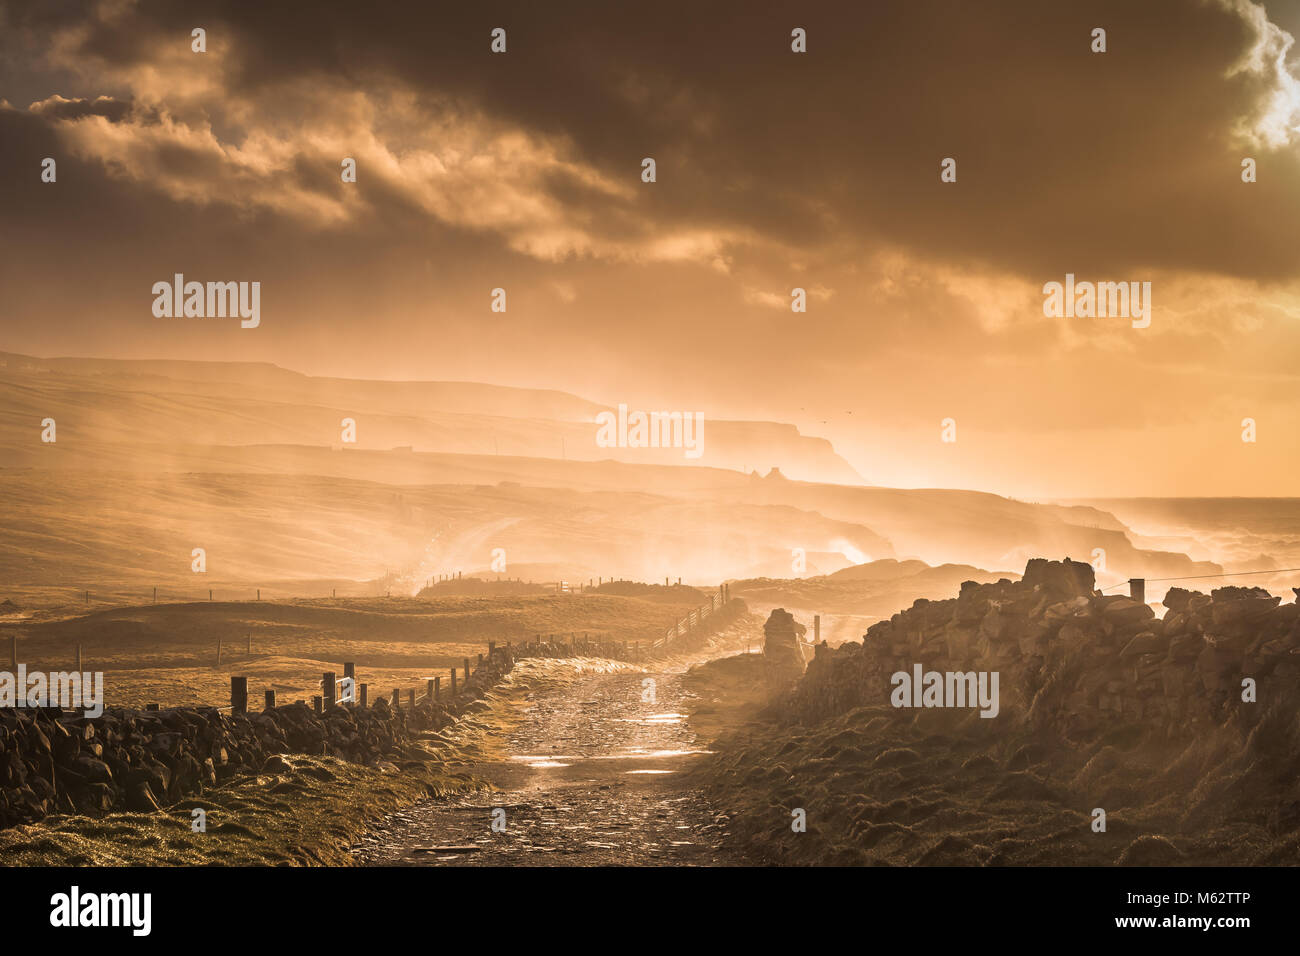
column 691, row 622
column 458, row 678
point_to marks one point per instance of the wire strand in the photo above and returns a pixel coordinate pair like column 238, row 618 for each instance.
column 1201, row 577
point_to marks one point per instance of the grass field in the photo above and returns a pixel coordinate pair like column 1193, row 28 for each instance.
column 167, row 653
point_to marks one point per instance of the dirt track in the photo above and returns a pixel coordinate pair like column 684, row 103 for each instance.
column 594, row 777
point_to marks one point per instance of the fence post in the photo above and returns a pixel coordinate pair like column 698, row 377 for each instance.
column 467, row 670
column 239, row 695
column 365, row 694
column 1137, row 589
column 13, row 652
column 429, row 690
column 151, row 707
column 78, row 658
column 155, row 595
column 270, row 700
column 250, row 642
column 453, row 683
column 397, row 699
column 817, row 628
column 411, row 697
column 329, row 689
column 437, row 688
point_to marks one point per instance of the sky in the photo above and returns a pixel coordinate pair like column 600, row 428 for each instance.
column 820, row 170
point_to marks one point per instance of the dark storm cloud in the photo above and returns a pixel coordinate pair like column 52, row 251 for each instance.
column 1067, row 160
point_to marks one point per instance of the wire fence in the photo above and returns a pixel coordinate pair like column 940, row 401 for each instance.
column 1199, row 577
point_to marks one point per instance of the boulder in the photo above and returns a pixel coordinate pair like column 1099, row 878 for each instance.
column 1247, row 611
column 1124, row 612
column 782, row 653
column 1176, row 599
column 92, row 770
column 1064, row 579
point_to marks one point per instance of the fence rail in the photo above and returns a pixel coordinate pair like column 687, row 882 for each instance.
column 685, row 626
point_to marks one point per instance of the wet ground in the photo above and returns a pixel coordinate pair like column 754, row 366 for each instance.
column 594, row 776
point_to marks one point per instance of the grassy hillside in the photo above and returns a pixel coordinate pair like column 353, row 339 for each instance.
column 172, row 403
column 156, row 459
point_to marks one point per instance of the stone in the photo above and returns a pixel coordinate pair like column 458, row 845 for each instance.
column 783, row 656
column 1074, row 609
column 92, row 770
column 1146, row 642
column 276, row 764
column 140, row 799
column 1124, row 612
column 1065, row 579
column 1176, row 599
column 1247, row 610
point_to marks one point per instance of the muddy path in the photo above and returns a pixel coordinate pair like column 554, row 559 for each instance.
column 594, row 774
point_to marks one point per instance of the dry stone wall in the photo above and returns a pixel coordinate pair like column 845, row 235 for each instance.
column 53, row 761
column 1073, row 658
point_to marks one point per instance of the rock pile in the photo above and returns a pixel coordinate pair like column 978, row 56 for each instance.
column 783, row 659
column 140, row 760
column 1073, row 658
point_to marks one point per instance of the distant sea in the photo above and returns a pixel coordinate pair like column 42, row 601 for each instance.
column 1241, row 534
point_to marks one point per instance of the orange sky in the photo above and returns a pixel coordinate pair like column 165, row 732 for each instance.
column 775, row 170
